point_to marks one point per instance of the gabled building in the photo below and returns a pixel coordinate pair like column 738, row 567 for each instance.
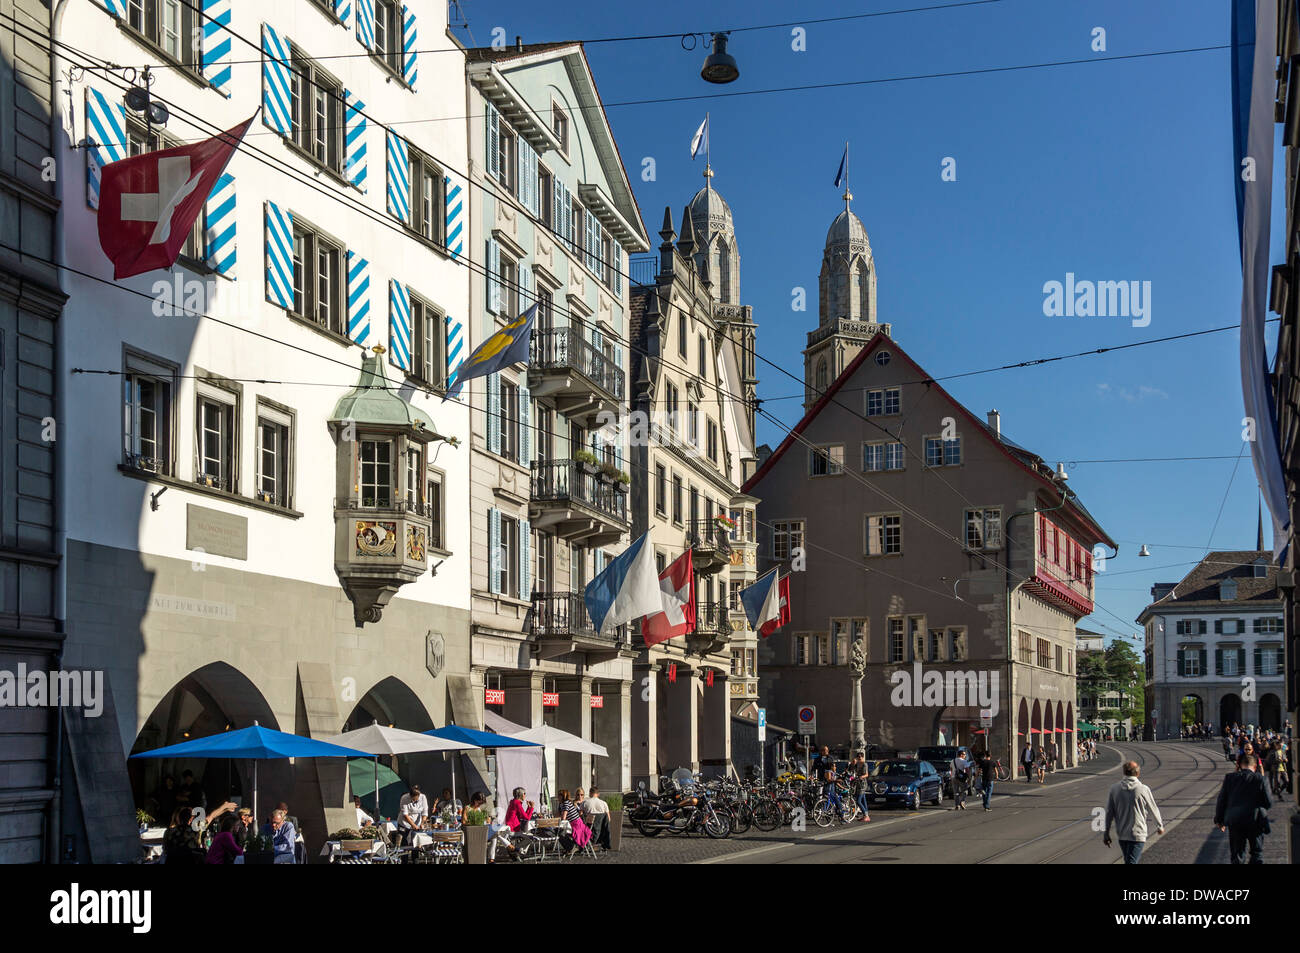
column 554, row 220
column 693, row 407
column 1215, row 646
column 957, row 556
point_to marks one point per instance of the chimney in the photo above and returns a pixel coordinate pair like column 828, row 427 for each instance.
column 519, row 44
column 995, row 423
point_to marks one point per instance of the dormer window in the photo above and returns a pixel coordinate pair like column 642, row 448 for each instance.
column 1227, row 590
column 1261, row 568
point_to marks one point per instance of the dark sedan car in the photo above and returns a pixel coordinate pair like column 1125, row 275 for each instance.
column 904, row 782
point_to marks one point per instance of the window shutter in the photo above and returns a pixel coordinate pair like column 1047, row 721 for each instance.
column 557, row 207
column 343, row 11
column 219, row 227
column 399, row 178
column 493, row 276
column 525, row 426
column 279, row 256
column 1218, row 661
column 455, row 349
column 276, row 98
column 399, row 325
column 521, row 164
column 454, row 199
column 528, row 182
column 494, row 550
column 1218, row 627
column 1241, row 661
column 106, row 128
column 354, row 131
column 365, row 31
column 216, row 44
column 525, row 544
column 525, row 289
column 1182, row 663
column 618, row 270
column 409, row 65
column 358, row 298
column 494, row 413
column 492, row 141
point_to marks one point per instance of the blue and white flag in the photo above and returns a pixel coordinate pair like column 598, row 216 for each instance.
column 701, row 137
column 767, row 603
column 844, row 161
column 508, row 346
column 1254, row 39
column 626, row 590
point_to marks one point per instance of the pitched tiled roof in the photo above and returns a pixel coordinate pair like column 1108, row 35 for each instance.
column 1200, row 587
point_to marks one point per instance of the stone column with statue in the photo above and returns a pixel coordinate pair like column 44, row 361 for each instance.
column 857, row 725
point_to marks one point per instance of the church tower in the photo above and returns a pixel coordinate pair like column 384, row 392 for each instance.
column 847, row 317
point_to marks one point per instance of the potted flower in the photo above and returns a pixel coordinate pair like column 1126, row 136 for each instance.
column 144, row 819
column 615, row 802
column 623, row 483
column 608, row 473
column 587, row 461
column 476, row 836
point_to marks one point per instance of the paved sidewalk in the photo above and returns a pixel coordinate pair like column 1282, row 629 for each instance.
column 1197, row 841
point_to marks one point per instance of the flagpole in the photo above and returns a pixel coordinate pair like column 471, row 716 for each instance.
column 848, row 194
column 708, row 167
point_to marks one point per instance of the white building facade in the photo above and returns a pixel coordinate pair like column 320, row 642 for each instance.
column 248, row 536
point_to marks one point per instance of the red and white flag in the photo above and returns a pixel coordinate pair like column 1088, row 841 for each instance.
column 148, row 203
column 677, row 591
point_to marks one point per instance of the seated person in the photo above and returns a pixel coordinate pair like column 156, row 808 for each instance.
column 181, row 841
column 224, row 848
column 363, row 819
column 283, row 836
column 596, row 813
column 445, row 801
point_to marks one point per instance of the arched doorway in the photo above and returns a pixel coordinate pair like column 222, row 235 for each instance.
column 1036, row 725
column 1229, row 710
column 1070, row 742
column 212, row 699
column 1270, row 712
column 1049, row 728
column 1193, row 710
column 1060, row 735
column 1022, row 732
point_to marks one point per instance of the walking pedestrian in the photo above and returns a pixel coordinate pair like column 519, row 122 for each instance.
column 988, row 771
column 1242, row 811
column 961, row 768
column 1128, row 806
column 1027, row 760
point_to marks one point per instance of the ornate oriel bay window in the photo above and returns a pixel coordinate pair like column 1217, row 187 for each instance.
column 381, row 512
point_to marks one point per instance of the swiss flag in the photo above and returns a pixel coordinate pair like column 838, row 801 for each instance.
column 148, row 203
column 677, row 590
column 783, row 612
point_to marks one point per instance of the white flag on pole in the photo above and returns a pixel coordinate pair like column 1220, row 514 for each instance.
column 700, row 134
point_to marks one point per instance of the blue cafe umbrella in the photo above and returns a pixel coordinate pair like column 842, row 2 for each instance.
column 256, row 743
column 479, row 739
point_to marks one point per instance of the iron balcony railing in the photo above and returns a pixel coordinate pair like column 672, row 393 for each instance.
column 565, row 481
column 564, row 615
column 566, row 349
column 708, row 536
column 711, row 618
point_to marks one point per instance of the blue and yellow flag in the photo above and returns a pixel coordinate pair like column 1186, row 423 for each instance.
column 508, row 346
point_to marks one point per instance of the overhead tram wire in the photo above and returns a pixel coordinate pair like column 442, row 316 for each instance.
column 398, row 227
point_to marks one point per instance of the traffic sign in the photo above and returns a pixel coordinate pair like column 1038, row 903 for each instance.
column 986, row 717
column 762, row 725
column 808, row 719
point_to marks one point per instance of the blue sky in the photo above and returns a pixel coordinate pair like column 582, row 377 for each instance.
column 1112, row 171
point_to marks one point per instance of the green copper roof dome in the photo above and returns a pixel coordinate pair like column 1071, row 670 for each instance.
column 374, row 401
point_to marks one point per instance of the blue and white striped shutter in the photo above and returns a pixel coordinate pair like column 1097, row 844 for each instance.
column 115, row 7
column 354, row 131
column 106, row 128
column 525, row 560
column 276, row 98
column 525, row 425
column 493, row 276
column 409, row 65
column 358, row 298
column 399, row 178
column 492, row 141
column 494, row 550
column 399, row 325
column 279, row 255
column 454, row 193
column 219, row 227
column 494, row 413
column 528, row 182
column 216, row 44
column 343, row 11
column 455, row 345
column 365, row 23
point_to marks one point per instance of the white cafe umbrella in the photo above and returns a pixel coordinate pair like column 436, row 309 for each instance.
column 376, row 739
column 554, row 738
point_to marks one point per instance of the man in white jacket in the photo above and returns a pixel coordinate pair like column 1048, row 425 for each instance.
column 1129, row 807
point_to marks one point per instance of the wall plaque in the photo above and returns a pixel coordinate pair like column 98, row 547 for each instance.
column 212, row 531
